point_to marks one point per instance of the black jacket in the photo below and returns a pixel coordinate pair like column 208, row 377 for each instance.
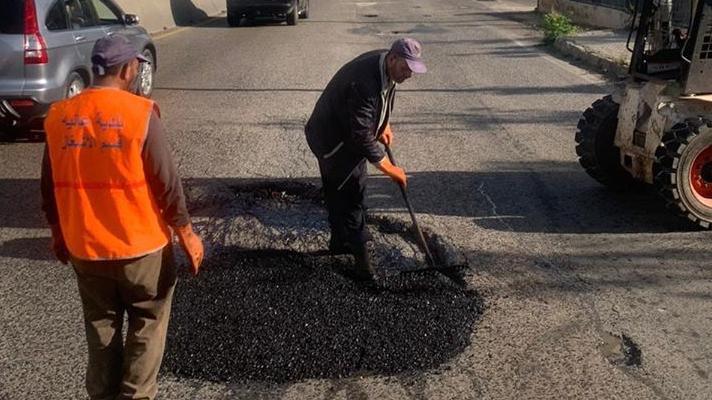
column 347, row 113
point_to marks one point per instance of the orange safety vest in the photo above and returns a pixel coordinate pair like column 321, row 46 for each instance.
column 105, row 207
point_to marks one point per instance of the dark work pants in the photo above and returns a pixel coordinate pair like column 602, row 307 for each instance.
column 142, row 288
column 345, row 205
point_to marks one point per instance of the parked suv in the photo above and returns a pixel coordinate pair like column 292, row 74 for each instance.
column 45, row 54
column 289, row 10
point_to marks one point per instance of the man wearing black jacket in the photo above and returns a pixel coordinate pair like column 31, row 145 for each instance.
column 343, row 132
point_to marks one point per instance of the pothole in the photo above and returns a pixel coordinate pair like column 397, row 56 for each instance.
column 370, row 15
column 272, row 305
column 621, row 350
column 289, row 217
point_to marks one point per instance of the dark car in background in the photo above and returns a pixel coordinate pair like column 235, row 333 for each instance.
column 251, row 10
column 45, row 54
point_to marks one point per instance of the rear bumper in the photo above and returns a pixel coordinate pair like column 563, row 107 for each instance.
column 264, row 9
column 23, row 116
column 41, row 92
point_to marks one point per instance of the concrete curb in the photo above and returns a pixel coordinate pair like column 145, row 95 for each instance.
column 569, row 47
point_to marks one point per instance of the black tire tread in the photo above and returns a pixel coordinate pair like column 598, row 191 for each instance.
column 595, row 148
column 233, row 18
column 293, row 17
column 667, row 159
column 305, row 13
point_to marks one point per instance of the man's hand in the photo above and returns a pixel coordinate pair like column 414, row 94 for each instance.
column 59, row 248
column 387, row 135
column 395, row 173
column 192, row 246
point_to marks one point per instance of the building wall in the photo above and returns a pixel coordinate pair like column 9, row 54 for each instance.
column 614, row 14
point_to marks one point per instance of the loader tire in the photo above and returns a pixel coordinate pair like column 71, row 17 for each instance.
column 598, row 154
column 683, row 170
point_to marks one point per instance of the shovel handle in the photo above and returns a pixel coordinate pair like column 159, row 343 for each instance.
column 421, row 239
column 390, row 155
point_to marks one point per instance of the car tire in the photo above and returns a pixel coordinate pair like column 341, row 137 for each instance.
column 146, row 75
column 293, row 17
column 233, row 18
column 75, row 85
column 305, row 12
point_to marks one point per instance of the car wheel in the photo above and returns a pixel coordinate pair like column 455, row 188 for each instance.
column 305, row 12
column 233, row 18
column 75, row 85
column 293, row 16
column 146, row 72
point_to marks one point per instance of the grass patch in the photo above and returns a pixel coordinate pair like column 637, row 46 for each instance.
column 556, row 25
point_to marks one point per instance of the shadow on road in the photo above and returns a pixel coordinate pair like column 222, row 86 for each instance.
column 185, row 13
column 37, row 249
column 21, row 136
column 238, row 90
column 491, row 90
column 551, row 197
column 221, row 23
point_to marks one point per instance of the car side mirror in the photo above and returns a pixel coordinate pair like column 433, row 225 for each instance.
column 131, row 19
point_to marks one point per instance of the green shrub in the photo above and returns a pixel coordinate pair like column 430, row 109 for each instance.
column 556, row 25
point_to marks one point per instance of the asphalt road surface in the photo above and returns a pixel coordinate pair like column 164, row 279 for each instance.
column 588, row 294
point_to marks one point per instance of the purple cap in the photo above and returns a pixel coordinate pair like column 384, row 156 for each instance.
column 412, row 51
column 113, row 50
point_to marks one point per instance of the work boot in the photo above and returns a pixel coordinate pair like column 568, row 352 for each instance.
column 362, row 252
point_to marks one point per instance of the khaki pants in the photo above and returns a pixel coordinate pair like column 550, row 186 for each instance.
column 143, row 289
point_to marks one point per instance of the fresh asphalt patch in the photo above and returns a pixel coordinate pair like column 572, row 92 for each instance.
column 286, row 318
column 271, row 305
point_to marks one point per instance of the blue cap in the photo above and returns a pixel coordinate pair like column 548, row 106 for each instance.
column 111, row 51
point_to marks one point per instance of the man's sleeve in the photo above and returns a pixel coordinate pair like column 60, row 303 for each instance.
column 363, row 118
column 49, row 205
column 162, row 176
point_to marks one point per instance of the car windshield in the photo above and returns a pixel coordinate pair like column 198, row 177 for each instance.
column 11, row 12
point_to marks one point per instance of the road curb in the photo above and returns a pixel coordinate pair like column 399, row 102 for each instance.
column 176, row 29
column 569, row 47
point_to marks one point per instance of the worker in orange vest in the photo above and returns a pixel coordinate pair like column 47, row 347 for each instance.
column 112, row 195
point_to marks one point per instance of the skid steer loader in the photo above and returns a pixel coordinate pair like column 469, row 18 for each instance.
column 657, row 126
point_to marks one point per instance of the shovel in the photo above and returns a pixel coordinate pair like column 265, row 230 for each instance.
column 419, row 234
column 449, row 272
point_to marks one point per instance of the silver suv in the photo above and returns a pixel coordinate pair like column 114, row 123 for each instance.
column 45, row 54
